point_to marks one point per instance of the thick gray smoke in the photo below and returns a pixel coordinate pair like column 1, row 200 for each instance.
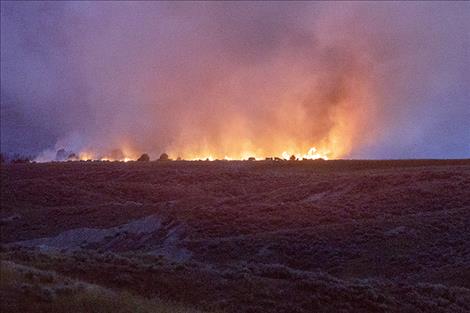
column 368, row 80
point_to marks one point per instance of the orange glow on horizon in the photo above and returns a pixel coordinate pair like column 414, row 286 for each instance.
column 310, row 115
column 311, row 154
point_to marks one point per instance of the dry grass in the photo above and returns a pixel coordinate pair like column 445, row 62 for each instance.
column 339, row 236
column 26, row 289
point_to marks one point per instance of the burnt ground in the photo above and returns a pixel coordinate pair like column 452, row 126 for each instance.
column 264, row 236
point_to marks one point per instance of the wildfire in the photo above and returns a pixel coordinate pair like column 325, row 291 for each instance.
column 85, row 156
column 115, row 155
column 312, row 154
column 203, row 158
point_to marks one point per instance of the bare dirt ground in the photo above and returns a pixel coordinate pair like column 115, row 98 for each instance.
column 301, row 236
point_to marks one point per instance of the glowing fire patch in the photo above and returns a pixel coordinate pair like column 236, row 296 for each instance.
column 90, row 156
column 248, row 155
column 312, row 154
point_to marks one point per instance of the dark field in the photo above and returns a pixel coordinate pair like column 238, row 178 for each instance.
column 310, row 236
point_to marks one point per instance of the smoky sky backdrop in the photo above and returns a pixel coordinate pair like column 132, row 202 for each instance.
column 368, row 80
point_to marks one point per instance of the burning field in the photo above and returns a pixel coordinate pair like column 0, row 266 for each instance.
column 207, row 156
column 236, row 236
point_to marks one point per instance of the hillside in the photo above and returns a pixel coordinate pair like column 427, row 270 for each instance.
column 264, row 236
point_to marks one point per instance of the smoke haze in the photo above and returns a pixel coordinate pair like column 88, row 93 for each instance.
column 354, row 80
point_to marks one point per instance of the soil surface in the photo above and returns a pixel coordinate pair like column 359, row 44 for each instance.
column 260, row 236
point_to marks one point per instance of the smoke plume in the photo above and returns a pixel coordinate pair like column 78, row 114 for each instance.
column 366, row 80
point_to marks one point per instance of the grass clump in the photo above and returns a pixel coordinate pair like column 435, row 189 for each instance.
column 26, row 289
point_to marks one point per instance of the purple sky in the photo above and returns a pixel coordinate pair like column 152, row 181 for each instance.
column 388, row 80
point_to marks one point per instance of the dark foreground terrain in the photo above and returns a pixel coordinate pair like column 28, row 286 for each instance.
column 310, row 236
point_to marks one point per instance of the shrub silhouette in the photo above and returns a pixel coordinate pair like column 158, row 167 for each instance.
column 163, row 157
column 144, row 158
column 73, row 157
column 20, row 159
column 61, row 155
